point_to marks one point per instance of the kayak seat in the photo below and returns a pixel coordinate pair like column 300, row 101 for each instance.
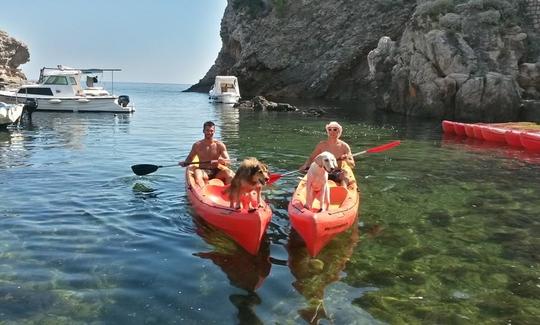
column 338, row 194
column 216, row 194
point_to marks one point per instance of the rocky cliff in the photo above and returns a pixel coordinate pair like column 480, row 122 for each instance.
column 12, row 54
column 303, row 48
column 462, row 59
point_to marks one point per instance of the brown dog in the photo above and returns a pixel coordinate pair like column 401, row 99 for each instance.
column 250, row 176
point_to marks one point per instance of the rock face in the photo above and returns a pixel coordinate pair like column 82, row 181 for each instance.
column 12, row 54
column 460, row 59
column 304, row 48
column 455, row 61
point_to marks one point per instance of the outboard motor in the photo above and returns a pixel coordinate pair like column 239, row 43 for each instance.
column 123, row 100
column 30, row 106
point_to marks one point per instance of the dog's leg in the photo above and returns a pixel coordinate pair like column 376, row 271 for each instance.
column 235, row 200
column 320, row 197
column 309, row 196
column 259, row 197
column 230, row 197
column 326, row 199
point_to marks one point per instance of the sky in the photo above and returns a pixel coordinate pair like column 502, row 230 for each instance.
column 159, row 41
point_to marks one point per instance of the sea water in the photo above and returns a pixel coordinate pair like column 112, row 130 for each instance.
column 448, row 228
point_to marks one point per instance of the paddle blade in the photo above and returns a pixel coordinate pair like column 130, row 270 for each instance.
column 384, row 147
column 144, row 169
column 272, row 178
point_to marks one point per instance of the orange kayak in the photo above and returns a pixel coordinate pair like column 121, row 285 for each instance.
column 318, row 228
column 212, row 205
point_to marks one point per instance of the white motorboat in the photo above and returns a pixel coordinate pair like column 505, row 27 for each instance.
column 59, row 89
column 10, row 113
column 225, row 90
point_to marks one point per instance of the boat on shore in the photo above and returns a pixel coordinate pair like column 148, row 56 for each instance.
column 225, row 90
column 10, row 113
column 318, row 228
column 212, row 204
column 60, row 89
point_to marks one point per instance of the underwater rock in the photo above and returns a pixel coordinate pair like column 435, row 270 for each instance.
column 316, row 264
column 141, row 188
column 259, row 103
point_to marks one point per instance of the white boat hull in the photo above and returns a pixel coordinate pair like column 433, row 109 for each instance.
column 73, row 104
column 225, row 90
column 10, row 114
column 225, row 98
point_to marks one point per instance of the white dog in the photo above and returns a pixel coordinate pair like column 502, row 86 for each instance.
column 317, row 177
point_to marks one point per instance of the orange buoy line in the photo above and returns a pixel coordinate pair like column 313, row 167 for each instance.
column 517, row 134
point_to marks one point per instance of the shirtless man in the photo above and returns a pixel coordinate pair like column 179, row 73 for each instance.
column 210, row 149
column 340, row 149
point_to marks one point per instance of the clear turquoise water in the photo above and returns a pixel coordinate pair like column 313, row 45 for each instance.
column 448, row 230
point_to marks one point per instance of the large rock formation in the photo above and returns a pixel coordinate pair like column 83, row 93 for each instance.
column 304, row 48
column 12, row 54
column 458, row 59
column 455, row 61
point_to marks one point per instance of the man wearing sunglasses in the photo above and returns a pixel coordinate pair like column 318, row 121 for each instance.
column 339, row 148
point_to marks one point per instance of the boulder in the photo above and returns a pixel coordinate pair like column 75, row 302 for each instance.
column 13, row 53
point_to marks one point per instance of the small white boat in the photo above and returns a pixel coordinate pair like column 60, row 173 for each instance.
column 10, row 113
column 225, row 90
column 59, row 89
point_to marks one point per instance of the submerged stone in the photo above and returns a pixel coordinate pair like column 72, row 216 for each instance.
column 141, row 188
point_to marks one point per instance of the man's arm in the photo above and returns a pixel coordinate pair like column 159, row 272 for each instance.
column 223, row 158
column 190, row 156
column 348, row 156
column 314, row 154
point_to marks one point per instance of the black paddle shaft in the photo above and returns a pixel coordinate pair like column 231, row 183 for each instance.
column 145, row 169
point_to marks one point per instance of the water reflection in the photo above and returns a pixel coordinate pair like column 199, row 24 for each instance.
column 12, row 148
column 313, row 275
column 228, row 119
column 245, row 303
column 243, row 270
column 489, row 148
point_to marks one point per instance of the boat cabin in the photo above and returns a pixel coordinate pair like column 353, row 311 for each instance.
column 226, row 84
column 66, row 82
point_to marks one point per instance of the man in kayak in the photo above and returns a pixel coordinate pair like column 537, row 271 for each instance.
column 210, row 149
column 339, row 148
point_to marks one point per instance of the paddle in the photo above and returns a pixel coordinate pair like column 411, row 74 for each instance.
column 381, row 148
column 145, row 169
column 274, row 177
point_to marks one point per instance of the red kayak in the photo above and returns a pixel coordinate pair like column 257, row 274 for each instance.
column 494, row 134
column 211, row 204
column 531, row 141
column 318, row 228
column 513, row 138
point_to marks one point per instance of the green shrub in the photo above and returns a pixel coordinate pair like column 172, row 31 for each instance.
column 435, row 8
column 253, row 7
column 507, row 9
column 384, row 5
column 280, row 6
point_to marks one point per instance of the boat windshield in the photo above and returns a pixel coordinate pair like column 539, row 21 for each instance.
column 56, row 80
